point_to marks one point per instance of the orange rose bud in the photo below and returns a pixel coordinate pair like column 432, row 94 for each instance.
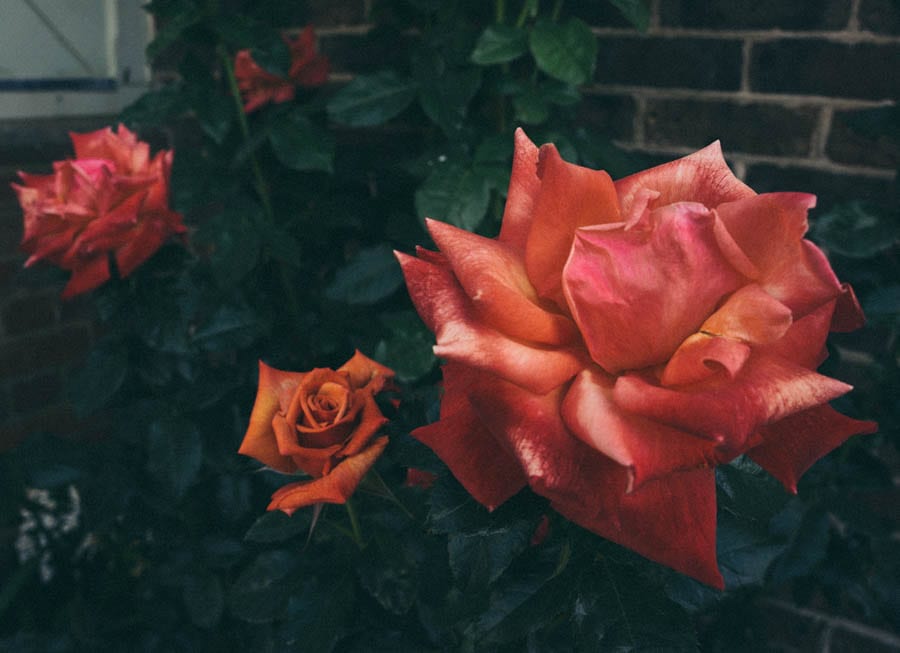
column 322, row 423
column 112, row 199
column 259, row 87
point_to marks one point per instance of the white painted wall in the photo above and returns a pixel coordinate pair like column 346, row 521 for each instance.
column 108, row 38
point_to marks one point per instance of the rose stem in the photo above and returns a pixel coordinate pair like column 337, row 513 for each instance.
column 259, row 181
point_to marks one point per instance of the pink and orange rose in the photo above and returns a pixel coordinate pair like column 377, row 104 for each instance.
column 259, row 87
column 112, row 199
column 322, row 423
column 620, row 339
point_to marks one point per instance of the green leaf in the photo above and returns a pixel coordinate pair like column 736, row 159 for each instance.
column 259, row 594
column 230, row 326
column 371, row 100
column 371, row 276
column 566, row 51
column 301, row 145
column 531, row 107
column 274, row 57
column 101, row 377
column 445, row 99
column 276, row 526
column 453, row 510
column 636, row 12
column 388, row 574
column 855, row 230
column 408, row 350
column 282, row 246
column 231, row 240
column 454, row 193
column 155, row 108
column 883, row 301
column 319, row 615
column 173, row 28
column 499, row 44
column 477, row 559
column 175, row 454
column 204, row 599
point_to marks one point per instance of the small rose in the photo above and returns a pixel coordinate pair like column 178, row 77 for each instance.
column 618, row 340
column 322, row 423
column 259, row 87
column 112, row 199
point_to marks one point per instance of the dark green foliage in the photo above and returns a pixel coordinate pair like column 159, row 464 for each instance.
column 294, row 212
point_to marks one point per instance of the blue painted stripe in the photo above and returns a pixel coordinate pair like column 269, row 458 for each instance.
column 59, row 84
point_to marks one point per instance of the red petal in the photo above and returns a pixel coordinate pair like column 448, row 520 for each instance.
column 87, row 275
column 790, row 446
column 335, row 487
column 522, row 193
column 702, row 356
column 769, row 229
column 362, row 371
column 671, row 521
column 494, row 278
column 804, row 342
column 848, row 315
column 570, row 196
column 637, row 293
column 273, row 394
column 649, row 448
column 461, row 337
column 766, row 390
column 702, row 177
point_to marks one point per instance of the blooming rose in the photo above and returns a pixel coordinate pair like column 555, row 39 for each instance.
column 620, row 339
column 259, row 87
column 111, row 199
column 322, row 423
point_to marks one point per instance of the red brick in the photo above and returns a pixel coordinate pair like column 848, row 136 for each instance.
column 54, row 419
column 47, row 350
column 327, row 13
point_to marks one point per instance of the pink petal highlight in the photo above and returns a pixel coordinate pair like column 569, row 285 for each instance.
column 636, row 294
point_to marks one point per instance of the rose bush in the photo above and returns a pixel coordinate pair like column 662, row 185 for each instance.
column 322, row 423
column 112, row 199
column 258, row 86
column 620, row 339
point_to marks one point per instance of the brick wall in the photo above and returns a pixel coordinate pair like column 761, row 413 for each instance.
column 41, row 338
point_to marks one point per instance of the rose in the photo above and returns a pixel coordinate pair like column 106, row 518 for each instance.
column 322, row 423
column 258, row 87
column 112, row 199
column 618, row 340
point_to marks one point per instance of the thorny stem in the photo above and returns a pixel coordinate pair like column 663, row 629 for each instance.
column 557, row 8
column 499, row 11
column 262, row 188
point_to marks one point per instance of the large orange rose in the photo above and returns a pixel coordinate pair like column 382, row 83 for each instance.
column 620, row 339
column 323, row 423
column 259, row 87
column 111, row 199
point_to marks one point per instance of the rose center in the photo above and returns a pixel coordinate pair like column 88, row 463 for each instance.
column 327, row 405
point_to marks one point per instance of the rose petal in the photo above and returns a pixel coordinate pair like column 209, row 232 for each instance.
column 750, row 315
column 701, row 177
column 87, row 275
column 791, row 445
column 766, row 390
column 522, row 193
column 636, row 294
column 570, row 196
column 368, row 422
column 443, row 305
column 804, row 342
column 363, row 371
column 335, row 487
column 848, row 314
column 274, row 392
column 671, row 521
column 769, row 229
column 702, row 356
column 649, row 448
column 494, row 278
